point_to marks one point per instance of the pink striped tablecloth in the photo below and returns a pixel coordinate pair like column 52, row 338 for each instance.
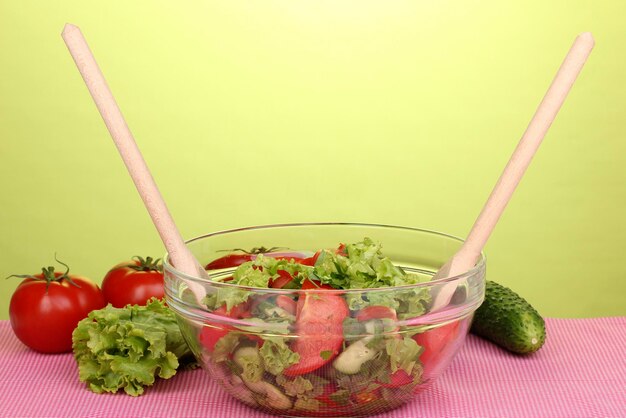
column 580, row 372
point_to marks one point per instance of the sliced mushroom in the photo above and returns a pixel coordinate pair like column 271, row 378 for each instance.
column 271, row 396
column 353, row 357
column 240, row 391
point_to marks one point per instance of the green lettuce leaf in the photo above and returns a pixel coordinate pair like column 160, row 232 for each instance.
column 403, row 354
column 306, row 390
column 294, row 387
column 126, row 348
column 252, row 368
column 277, row 356
column 256, row 273
column 225, row 346
column 307, row 404
column 365, row 267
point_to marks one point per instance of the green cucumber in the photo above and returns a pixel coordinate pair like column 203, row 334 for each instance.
column 506, row 319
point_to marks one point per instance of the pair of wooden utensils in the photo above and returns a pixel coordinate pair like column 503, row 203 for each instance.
column 460, row 263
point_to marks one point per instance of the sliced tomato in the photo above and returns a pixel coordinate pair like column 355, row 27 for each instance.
column 435, row 342
column 376, row 312
column 370, row 313
column 237, row 259
column 365, row 397
column 308, row 284
column 230, row 260
column 325, row 397
column 238, row 311
column 319, row 329
column 283, row 279
column 397, row 379
column 210, row 335
column 290, row 255
column 286, row 303
column 310, row 261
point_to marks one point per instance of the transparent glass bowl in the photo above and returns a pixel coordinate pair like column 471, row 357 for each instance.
column 369, row 363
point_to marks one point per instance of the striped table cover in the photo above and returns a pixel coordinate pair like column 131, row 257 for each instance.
column 580, row 372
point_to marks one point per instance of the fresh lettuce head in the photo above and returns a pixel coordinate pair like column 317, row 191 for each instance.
column 127, row 348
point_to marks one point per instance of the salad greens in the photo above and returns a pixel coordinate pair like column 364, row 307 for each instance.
column 321, row 349
column 126, row 348
column 361, row 267
column 276, row 355
column 403, row 354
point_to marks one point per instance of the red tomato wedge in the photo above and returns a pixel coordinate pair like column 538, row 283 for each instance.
column 379, row 312
column 230, row 260
column 319, row 326
column 397, row 379
column 376, row 312
column 234, row 260
column 238, row 311
column 210, row 335
column 314, row 284
column 286, row 303
column 283, row 279
column 329, row 389
column 310, row 261
column 435, row 343
column 308, row 284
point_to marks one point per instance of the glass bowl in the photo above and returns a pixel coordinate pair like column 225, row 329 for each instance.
column 321, row 352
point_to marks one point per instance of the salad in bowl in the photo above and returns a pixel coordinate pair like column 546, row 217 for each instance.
column 326, row 330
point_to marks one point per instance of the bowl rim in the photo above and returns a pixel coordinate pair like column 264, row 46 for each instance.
column 480, row 264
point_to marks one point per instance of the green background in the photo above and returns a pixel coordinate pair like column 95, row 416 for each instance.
column 257, row 112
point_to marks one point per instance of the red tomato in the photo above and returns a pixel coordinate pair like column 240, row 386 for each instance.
column 325, row 397
column 309, row 284
column 380, row 312
column 397, row 379
column 297, row 257
column 319, row 326
column 282, row 280
column 314, row 284
column 376, row 312
column 234, row 260
column 133, row 282
column 365, row 397
column 435, row 342
column 286, row 303
column 310, row 261
column 210, row 335
column 46, row 307
column 230, row 260
column 238, row 311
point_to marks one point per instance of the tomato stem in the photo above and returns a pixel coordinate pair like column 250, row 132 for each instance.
column 254, row 250
column 48, row 274
column 147, row 264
